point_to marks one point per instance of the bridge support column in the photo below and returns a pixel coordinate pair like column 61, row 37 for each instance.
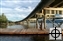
column 53, row 22
column 36, row 21
column 28, row 23
column 22, row 23
column 41, row 26
column 44, row 19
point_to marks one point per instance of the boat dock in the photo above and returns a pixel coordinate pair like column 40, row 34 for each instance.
column 45, row 10
column 23, row 31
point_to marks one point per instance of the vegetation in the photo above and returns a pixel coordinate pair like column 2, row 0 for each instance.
column 3, row 18
column 3, row 21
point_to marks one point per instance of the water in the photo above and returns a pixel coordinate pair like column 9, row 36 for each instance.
column 16, row 27
column 32, row 25
column 26, row 38
column 48, row 25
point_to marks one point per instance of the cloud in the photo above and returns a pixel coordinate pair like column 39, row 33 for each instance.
column 16, row 10
column 29, row 9
column 15, row 17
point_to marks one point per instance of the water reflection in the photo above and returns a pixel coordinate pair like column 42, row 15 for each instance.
column 26, row 38
column 16, row 27
column 3, row 25
column 43, row 38
column 38, row 38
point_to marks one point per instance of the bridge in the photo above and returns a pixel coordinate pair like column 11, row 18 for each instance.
column 46, row 9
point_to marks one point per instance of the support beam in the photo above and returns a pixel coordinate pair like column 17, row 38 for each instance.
column 23, row 22
column 62, row 6
column 36, row 21
column 28, row 23
column 40, row 14
column 41, row 25
column 53, row 8
column 58, row 4
column 54, row 11
column 50, row 11
column 44, row 18
column 32, row 19
column 57, row 11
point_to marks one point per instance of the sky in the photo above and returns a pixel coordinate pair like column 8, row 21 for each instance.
column 16, row 10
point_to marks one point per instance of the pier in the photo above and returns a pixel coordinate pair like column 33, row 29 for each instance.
column 45, row 10
column 22, row 31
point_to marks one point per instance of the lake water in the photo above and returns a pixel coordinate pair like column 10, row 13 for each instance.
column 16, row 27
column 32, row 25
column 26, row 38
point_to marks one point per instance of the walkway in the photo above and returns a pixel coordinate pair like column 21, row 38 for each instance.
column 22, row 31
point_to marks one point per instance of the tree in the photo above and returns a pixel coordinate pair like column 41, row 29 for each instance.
column 3, row 18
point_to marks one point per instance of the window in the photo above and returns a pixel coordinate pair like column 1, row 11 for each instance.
column 52, row 11
column 47, row 11
column 60, row 12
column 56, row 12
